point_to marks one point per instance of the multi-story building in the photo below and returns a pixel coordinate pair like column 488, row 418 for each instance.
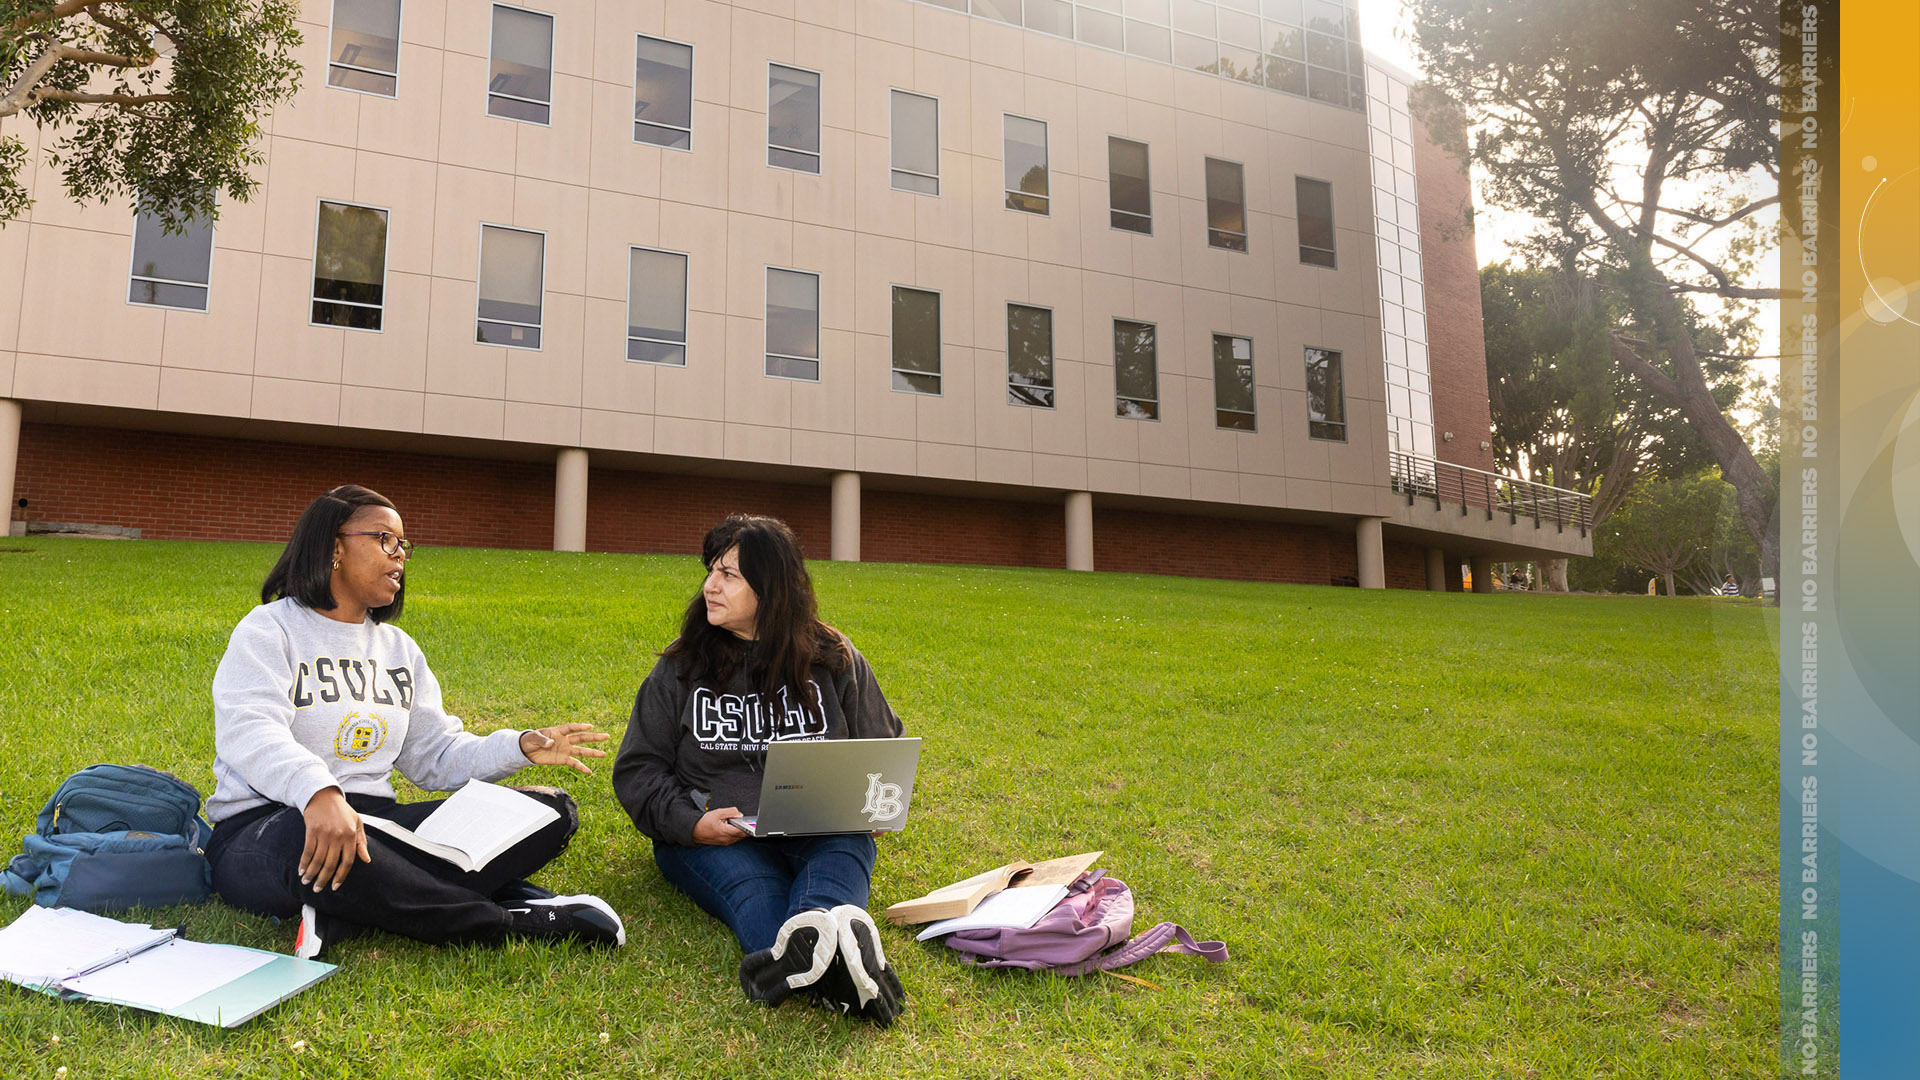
column 1160, row 286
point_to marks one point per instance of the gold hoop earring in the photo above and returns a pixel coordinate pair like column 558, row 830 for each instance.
column 336, row 564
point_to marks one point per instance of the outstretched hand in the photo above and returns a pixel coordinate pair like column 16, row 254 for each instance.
column 563, row 744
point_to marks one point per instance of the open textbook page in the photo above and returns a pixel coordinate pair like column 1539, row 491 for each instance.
column 474, row 826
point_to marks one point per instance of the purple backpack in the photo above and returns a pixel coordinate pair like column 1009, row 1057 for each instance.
column 1090, row 930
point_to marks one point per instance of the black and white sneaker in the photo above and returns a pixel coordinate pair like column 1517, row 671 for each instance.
column 583, row 918
column 800, row 954
column 319, row 932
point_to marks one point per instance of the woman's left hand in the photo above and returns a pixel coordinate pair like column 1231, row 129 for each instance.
column 563, row 744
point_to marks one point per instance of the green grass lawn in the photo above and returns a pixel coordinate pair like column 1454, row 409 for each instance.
column 1444, row 835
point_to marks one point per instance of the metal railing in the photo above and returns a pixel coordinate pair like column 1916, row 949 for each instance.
column 1419, row 477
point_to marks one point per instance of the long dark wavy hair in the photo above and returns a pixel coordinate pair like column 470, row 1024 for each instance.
column 305, row 569
column 789, row 638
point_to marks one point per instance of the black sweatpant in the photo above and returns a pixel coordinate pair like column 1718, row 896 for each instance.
column 256, row 867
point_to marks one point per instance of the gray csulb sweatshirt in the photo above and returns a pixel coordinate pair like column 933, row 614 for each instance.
column 302, row 703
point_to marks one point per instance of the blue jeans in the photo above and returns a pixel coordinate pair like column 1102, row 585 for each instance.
column 755, row 885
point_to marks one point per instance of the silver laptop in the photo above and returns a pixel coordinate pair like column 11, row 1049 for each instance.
column 819, row 786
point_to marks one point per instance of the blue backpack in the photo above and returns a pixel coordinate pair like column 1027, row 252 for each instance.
column 116, row 836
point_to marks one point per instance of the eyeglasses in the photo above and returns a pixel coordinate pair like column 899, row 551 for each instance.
column 389, row 543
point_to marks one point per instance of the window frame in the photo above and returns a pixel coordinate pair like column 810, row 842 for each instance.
column 553, row 23
column 399, row 25
column 819, row 125
column 894, row 370
column 691, row 50
column 1333, row 253
column 133, row 256
column 1253, row 413
column 686, row 310
column 1147, row 180
column 1312, row 423
column 1206, row 164
column 386, row 269
column 480, row 266
column 1118, row 397
column 819, row 331
column 1053, row 385
column 894, row 171
column 1046, row 154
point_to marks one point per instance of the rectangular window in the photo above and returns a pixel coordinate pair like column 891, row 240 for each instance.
column 1029, row 356
column 793, row 324
column 520, row 74
column 656, row 306
column 1314, row 202
column 349, row 266
column 1326, row 396
column 170, row 269
column 1026, row 164
column 513, row 265
column 1136, row 371
column 662, row 93
column 1233, row 382
column 1226, row 205
column 916, row 341
column 916, row 143
column 364, row 54
column 793, row 118
column 1130, row 194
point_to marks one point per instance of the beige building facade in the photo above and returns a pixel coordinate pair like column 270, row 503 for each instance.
column 456, row 252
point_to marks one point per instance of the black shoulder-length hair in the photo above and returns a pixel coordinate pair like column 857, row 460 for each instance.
column 305, row 569
column 789, row 638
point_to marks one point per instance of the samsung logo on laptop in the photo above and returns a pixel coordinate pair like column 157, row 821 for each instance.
column 788, row 787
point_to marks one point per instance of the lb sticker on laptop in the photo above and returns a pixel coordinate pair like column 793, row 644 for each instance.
column 883, row 800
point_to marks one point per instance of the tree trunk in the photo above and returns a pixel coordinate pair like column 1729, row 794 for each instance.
column 1669, row 576
column 1687, row 390
column 1553, row 575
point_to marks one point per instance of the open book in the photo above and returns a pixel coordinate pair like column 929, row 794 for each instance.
column 474, row 826
column 961, row 897
column 71, row 954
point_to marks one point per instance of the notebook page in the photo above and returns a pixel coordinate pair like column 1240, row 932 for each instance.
column 171, row 975
column 45, row 945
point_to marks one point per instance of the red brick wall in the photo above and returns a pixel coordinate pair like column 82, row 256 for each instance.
column 190, row 487
column 1456, row 338
column 1406, row 565
column 898, row 526
column 663, row 513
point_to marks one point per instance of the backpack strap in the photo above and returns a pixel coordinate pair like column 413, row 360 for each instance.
column 1165, row 937
column 21, row 875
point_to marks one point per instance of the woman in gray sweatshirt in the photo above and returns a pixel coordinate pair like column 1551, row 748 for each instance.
column 318, row 698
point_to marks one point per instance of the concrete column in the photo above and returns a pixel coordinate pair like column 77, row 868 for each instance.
column 1436, row 570
column 1080, row 530
column 9, row 458
column 1482, row 567
column 1371, row 552
column 570, row 500
column 844, row 545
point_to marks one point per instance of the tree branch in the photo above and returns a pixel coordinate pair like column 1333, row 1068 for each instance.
column 15, row 98
column 1731, row 292
column 124, row 101
column 1629, row 357
column 55, row 13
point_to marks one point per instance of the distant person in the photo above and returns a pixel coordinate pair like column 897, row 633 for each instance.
column 1729, row 587
column 317, row 700
column 754, row 664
